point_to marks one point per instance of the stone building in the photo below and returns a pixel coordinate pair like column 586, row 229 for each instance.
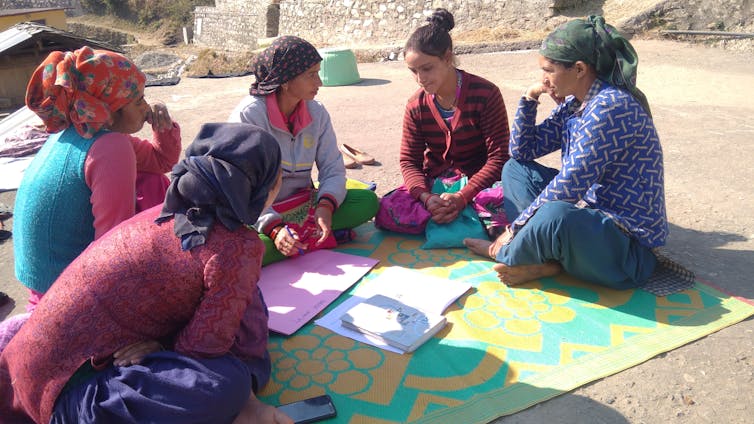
column 233, row 25
column 238, row 24
column 72, row 7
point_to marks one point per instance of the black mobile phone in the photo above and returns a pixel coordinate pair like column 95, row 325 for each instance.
column 309, row 410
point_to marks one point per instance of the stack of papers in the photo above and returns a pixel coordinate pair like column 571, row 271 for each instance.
column 393, row 322
column 424, row 292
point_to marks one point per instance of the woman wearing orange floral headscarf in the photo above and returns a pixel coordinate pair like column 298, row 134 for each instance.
column 91, row 174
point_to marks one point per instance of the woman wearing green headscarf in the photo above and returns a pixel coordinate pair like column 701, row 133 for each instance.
column 599, row 216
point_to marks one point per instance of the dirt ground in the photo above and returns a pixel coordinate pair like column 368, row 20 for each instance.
column 701, row 100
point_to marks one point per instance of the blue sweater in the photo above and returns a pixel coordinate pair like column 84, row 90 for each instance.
column 611, row 159
column 53, row 221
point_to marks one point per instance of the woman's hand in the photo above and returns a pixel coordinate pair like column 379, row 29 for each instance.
column 440, row 209
column 159, row 118
column 445, row 207
column 537, row 89
column 486, row 248
column 257, row 412
column 323, row 218
column 287, row 242
column 501, row 241
column 454, row 205
column 134, row 353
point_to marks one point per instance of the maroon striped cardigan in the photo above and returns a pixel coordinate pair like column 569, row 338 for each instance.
column 476, row 144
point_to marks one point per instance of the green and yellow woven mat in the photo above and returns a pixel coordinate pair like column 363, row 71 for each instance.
column 503, row 350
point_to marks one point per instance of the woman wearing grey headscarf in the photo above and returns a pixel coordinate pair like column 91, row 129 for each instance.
column 601, row 215
column 161, row 319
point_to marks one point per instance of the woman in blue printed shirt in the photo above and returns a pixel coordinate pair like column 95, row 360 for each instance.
column 601, row 215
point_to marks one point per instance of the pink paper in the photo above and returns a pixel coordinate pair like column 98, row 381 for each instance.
column 298, row 288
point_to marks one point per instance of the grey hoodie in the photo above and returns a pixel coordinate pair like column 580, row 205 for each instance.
column 315, row 143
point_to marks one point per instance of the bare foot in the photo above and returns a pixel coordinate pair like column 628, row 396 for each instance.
column 257, row 412
column 478, row 246
column 515, row 275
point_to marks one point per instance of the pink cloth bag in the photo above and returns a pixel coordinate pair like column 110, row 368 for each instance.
column 400, row 212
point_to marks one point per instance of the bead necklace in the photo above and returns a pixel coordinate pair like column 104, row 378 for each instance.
column 458, row 91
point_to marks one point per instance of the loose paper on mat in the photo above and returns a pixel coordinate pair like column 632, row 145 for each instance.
column 298, row 288
column 422, row 291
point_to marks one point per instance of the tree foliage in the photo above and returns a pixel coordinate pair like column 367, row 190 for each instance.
column 147, row 12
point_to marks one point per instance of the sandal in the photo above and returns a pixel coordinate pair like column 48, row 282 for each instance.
column 349, row 162
column 4, row 234
column 5, row 212
column 359, row 156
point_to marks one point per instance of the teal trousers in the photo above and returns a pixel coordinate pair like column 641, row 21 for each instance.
column 586, row 242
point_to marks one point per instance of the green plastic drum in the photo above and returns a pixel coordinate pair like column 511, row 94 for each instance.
column 338, row 67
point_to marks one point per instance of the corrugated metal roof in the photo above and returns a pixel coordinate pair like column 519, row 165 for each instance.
column 23, row 34
column 12, row 37
column 16, row 120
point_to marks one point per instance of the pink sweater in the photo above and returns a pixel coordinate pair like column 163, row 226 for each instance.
column 106, row 176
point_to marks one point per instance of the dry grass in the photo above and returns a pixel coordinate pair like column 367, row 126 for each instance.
column 212, row 62
column 496, row 35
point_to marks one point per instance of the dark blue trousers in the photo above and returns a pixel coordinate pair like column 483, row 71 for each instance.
column 587, row 243
column 165, row 388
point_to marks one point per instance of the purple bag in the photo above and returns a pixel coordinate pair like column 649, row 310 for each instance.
column 400, row 212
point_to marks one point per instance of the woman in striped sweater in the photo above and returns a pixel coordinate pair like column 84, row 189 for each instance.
column 455, row 126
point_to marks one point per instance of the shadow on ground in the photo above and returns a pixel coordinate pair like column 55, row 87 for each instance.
column 711, row 256
column 567, row 409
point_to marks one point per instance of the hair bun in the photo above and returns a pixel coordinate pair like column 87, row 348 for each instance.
column 442, row 19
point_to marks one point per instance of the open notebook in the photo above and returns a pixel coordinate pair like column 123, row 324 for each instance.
column 426, row 293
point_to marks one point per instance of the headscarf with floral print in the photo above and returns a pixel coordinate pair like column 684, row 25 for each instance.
column 83, row 88
column 286, row 58
column 598, row 44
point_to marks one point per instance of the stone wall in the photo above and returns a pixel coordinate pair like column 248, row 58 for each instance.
column 72, row 7
column 390, row 21
column 230, row 25
column 110, row 36
column 236, row 24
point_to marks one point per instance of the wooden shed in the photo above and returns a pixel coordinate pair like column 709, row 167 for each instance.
column 23, row 46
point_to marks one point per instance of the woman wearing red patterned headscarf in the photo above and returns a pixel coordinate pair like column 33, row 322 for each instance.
column 91, row 174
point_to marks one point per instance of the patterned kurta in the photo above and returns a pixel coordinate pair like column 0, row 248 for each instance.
column 137, row 284
column 611, row 159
